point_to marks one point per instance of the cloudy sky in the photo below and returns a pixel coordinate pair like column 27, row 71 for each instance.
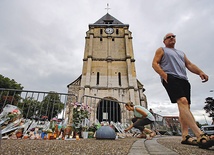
column 42, row 42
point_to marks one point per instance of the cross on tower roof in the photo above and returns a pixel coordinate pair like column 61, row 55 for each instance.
column 107, row 8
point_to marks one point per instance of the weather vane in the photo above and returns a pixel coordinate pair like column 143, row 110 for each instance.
column 107, row 8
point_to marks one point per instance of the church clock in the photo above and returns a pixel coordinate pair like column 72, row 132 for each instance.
column 109, row 30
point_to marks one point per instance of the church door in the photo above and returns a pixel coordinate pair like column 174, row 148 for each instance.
column 108, row 111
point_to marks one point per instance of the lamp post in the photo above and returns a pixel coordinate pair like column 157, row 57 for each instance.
column 211, row 91
column 205, row 119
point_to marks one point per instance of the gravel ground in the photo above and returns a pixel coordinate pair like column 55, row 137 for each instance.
column 174, row 143
column 89, row 146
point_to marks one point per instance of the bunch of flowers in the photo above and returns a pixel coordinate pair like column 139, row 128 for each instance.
column 13, row 114
column 81, row 112
column 10, row 113
column 10, row 117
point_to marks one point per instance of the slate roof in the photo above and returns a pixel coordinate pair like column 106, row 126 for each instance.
column 76, row 82
column 108, row 20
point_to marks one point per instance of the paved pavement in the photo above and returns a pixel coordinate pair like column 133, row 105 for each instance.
column 150, row 147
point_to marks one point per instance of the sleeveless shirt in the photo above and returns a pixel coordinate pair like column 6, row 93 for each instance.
column 173, row 63
column 137, row 114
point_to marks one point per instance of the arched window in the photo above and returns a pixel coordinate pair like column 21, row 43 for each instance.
column 101, row 31
column 119, row 78
column 98, row 78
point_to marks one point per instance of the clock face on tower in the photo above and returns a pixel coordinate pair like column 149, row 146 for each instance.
column 109, row 30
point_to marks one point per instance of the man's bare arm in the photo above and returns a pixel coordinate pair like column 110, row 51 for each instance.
column 155, row 63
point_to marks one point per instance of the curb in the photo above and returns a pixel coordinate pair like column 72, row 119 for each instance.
column 150, row 147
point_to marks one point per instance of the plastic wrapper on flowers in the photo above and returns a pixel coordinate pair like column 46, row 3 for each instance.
column 14, row 126
column 10, row 118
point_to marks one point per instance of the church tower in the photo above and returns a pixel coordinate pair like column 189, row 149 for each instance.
column 108, row 65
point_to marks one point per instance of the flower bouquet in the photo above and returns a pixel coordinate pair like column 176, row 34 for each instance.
column 10, row 118
column 81, row 113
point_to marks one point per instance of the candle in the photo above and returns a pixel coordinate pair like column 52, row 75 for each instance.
column 77, row 137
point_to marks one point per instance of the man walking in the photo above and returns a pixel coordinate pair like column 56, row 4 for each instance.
column 171, row 65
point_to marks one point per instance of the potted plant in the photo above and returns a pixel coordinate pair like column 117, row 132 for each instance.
column 85, row 132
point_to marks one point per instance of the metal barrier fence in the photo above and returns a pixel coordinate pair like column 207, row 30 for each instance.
column 36, row 104
column 167, row 125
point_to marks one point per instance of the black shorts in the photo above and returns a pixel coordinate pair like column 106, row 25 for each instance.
column 177, row 88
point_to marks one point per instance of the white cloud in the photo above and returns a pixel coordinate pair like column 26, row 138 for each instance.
column 42, row 42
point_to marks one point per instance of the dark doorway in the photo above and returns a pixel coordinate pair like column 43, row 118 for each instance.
column 108, row 111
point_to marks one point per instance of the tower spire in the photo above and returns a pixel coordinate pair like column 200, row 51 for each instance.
column 107, row 7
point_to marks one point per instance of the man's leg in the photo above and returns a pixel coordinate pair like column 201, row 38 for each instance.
column 187, row 119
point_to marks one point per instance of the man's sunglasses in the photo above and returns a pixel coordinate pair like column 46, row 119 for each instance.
column 172, row 36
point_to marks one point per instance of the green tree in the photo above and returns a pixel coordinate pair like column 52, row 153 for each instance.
column 9, row 97
column 51, row 106
column 30, row 107
column 5, row 82
column 209, row 106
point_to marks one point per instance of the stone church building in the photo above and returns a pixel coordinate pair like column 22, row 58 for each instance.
column 108, row 70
